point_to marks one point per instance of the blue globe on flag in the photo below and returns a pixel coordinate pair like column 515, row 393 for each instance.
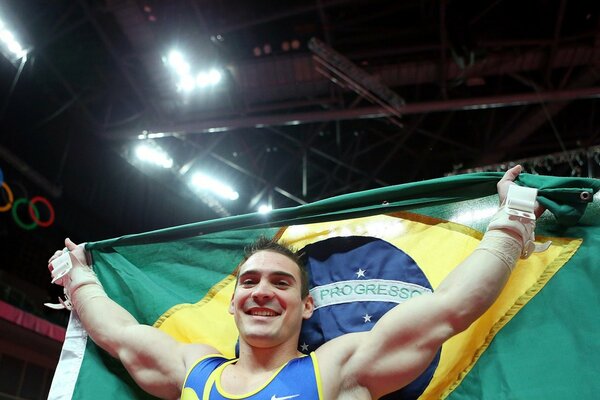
column 354, row 281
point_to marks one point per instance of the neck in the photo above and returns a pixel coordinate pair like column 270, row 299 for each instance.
column 265, row 358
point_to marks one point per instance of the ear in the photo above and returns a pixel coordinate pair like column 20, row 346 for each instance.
column 231, row 307
column 309, row 307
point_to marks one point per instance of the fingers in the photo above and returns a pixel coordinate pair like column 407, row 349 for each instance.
column 56, row 254
column 69, row 246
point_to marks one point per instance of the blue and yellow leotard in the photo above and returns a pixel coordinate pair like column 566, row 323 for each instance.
column 299, row 379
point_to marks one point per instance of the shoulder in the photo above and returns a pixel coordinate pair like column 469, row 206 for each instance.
column 195, row 353
column 199, row 368
column 199, row 374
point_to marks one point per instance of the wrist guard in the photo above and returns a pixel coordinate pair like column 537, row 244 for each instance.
column 72, row 278
column 517, row 216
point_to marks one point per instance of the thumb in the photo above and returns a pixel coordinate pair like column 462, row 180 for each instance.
column 70, row 245
column 80, row 255
column 512, row 173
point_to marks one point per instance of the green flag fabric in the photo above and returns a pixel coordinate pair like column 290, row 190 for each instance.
column 542, row 344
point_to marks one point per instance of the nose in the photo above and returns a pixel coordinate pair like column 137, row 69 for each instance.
column 262, row 292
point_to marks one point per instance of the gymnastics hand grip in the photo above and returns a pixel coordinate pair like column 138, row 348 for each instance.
column 60, row 267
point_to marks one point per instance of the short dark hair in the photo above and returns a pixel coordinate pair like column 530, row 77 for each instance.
column 265, row 244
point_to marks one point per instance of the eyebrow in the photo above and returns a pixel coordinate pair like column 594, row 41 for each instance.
column 274, row 273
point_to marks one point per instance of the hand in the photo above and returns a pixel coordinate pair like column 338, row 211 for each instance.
column 507, row 180
column 77, row 254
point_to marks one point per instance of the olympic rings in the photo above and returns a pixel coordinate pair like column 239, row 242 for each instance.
column 32, row 209
column 23, row 225
column 9, row 193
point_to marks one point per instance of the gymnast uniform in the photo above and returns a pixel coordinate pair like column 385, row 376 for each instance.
column 298, row 379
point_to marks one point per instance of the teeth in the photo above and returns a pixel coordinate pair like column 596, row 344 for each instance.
column 263, row 313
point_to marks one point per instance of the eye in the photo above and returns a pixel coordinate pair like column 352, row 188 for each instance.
column 282, row 283
column 247, row 282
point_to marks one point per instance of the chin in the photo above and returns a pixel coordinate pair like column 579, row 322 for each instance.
column 261, row 341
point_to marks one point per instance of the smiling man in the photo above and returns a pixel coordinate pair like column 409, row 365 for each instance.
column 270, row 302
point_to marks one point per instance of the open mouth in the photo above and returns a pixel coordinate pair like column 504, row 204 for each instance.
column 262, row 312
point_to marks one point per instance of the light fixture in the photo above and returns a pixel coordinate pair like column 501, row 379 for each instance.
column 154, row 135
column 10, row 43
column 208, row 78
column 188, row 80
column 265, row 208
column 153, row 154
column 186, row 83
column 178, row 63
column 204, row 182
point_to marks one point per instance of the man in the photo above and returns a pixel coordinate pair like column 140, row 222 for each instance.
column 269, row 304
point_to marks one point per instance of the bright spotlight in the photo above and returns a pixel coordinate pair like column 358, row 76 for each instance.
column 214, row 76
column 15, row 48
column 188, row 80
column 264, row 208
column 204, row 182
column 177, row 61
column 6, row 36
column 187, row 83
column 10, row 42
column 203, row 79
column 211, row 77
column 154, row 155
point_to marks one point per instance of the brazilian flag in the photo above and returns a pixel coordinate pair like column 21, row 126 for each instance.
column 367, row 252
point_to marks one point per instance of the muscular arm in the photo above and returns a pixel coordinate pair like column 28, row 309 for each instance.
column 156, row 361
column 405, row 340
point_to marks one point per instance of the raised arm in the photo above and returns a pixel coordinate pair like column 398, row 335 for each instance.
column 156, row 361
column 404, row 341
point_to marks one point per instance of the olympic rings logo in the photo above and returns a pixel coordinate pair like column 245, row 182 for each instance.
column 34, row 213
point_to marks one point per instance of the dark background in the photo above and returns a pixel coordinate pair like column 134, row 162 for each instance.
column 404, row 91
column 319, row 98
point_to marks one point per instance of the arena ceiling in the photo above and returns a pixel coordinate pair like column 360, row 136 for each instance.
column 317, row 98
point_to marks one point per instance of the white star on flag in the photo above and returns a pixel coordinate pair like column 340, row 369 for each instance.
column 303, row 347
column 367, row 318
column 360, row 273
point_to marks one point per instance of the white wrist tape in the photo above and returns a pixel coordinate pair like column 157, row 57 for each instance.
column 73, row 278
column 517, row 216
column 503, row 245
column 85, row 293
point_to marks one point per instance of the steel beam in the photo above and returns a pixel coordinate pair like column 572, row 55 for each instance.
column 137, row 89
column 226, row 124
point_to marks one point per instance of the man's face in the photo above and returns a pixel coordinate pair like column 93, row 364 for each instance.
column 267, row 304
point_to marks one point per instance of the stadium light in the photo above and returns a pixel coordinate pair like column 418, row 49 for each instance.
column 264, row 209
column 203, row 182
column 186, row 80
column 153, row 154
column 186, row 83
column 178, row 63
column 10, row 43
column 211, row 77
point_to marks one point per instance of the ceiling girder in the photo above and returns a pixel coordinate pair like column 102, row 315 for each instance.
column 290, row 12
column 351, row 73
column 252, row 175
column 328, row 157
column 117, row 58
column 530, row 123
column 219, row 125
